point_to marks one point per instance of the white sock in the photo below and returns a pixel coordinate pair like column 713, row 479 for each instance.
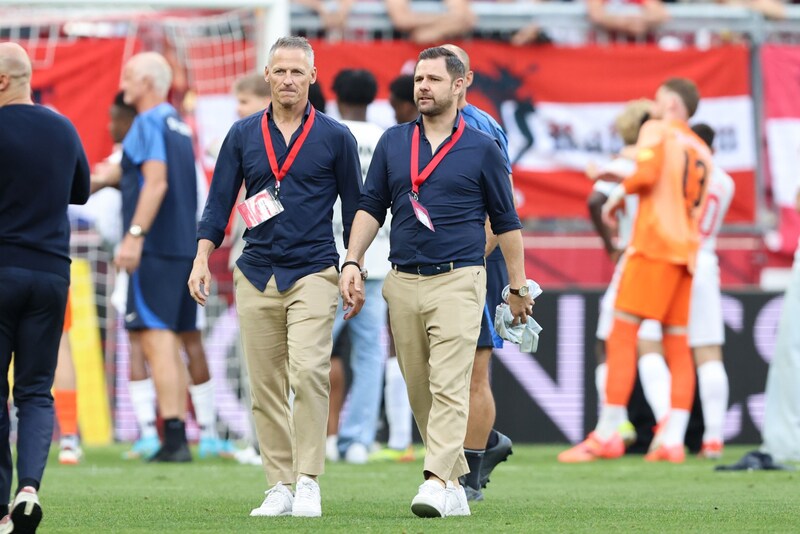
column 600, row 376
column 712, row 386
column 204, row 409
column 611, row 417
column 675, row 431
column 143, row 398
column 398, row 409
column 656, row 382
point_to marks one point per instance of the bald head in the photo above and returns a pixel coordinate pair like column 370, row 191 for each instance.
column 468, row 77
column 462, row 55
column 15, row 74
column 146, row 79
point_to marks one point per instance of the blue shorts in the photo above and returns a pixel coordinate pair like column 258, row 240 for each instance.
column 496, row 280
column 158, row 297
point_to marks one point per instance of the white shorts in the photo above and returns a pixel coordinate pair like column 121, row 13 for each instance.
column 706, row 326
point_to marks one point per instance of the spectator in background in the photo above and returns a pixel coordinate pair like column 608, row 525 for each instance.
column 331, row 20
column 772, row 9
column 649, row 15
column 401, row 98
column 355, row 90
column 34, row 273
column 424, row 27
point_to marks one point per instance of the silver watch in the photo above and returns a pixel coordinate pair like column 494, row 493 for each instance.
column 136, row 230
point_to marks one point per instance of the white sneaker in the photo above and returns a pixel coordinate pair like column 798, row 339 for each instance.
column 430, row 500
column 332, row 448
column 307, row 500
column 357, row 453
column 70, row 452
column 455, row 500
column 247, row 456
column 26, row 512
column 278, row 501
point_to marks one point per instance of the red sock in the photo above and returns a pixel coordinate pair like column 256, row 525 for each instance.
column 681, row 367
column 66, row 405
column 621, row 361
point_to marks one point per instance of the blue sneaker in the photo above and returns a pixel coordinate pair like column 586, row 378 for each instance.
column 143, row 449
column 216, row 447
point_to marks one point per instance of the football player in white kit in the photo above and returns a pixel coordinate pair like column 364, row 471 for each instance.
column 706, row 326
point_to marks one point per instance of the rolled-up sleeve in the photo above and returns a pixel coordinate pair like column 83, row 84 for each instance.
column 224, row 190
column 498, row 192
column 377, row 198
column 348, row 181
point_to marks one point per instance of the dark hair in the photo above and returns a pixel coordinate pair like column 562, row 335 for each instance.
column 316, row 97
column 355, row 86
column 705, row 132
column 119, row 102
column 403, row 88
column 455, row 67
column 686, row 90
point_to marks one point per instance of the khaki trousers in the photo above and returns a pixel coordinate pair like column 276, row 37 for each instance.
column 287, row 343
column 436, row 321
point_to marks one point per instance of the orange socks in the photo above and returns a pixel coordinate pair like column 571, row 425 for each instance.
column 681, row 365
column 66, row 405
column 621, row 361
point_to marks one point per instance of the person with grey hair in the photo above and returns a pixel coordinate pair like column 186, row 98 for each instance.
column 159, row 206
column 34, row 273
column 437, row 286
column 294, row 162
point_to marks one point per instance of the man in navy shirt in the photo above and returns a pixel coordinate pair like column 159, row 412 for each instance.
column 440, row 178
column 484, row 447
column 34, row 273
column 159, row 206
column 294, row 158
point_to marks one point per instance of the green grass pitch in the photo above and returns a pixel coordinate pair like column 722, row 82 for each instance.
column 529, row 493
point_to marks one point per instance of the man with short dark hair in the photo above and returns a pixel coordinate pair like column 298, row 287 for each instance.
column 401, row 98
column 437, row 286
column 34, row 273
column 294, row 162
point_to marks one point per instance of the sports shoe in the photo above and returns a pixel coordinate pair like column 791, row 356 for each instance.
column 70, row 452
column 26, row 512
column 278, row 501
column 497, row 454
column 473, row 495
column 674, row 454
column 143, row 449
column 593, row 448
column 332, row 448
column 711, row 450
column 215, row 447
column 307, row 499
column 356, row 453
column 394, row 455
column 455, row 500
column 247, row 456
column 658, row 434
column 179, row 455
column 430, row 500
column 628, row 433
column 6, row 525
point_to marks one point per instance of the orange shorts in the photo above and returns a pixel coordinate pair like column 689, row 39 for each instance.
column 654, row 289
column 68, row 315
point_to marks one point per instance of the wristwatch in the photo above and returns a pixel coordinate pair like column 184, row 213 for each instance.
column 521, row 292
column 136, row 230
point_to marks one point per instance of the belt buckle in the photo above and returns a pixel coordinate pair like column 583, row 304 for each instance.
column 419, row 272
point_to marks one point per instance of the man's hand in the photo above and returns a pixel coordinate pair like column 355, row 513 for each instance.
column 521, row 307
column 200, row 280
column 615, row 202
column 130, row 253
column 614, row 255
column 352, row 289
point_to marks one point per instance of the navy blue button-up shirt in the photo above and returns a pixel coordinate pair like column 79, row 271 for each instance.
column 471, row 181
column 298, row 241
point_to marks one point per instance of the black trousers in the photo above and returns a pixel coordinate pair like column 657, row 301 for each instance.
column 32, row 305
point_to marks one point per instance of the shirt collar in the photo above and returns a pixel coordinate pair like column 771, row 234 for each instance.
column 305, row 113
column 422, row 126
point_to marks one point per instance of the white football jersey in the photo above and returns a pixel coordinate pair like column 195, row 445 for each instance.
column 621, row 167
column 376, row 260
column 719, row 194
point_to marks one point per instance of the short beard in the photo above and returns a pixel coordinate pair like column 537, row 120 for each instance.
column 439, row 108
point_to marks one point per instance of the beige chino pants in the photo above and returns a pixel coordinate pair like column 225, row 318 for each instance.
column 287, row 343
column 436, row 321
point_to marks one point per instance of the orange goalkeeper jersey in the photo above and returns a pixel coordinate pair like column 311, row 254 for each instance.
column 673, row 166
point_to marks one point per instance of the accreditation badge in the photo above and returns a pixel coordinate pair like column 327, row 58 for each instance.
column 260, row 208
column 421, row 213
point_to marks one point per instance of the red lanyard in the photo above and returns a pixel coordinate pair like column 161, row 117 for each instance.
column 287, row 163
column 417, row 178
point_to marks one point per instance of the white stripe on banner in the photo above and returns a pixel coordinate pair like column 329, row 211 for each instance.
column 784, row 159
column 569, row 136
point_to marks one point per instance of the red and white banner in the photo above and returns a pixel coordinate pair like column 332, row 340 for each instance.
column 781, row 67
column 558, row 106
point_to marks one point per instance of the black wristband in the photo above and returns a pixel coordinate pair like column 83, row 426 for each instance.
column 345, row 264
